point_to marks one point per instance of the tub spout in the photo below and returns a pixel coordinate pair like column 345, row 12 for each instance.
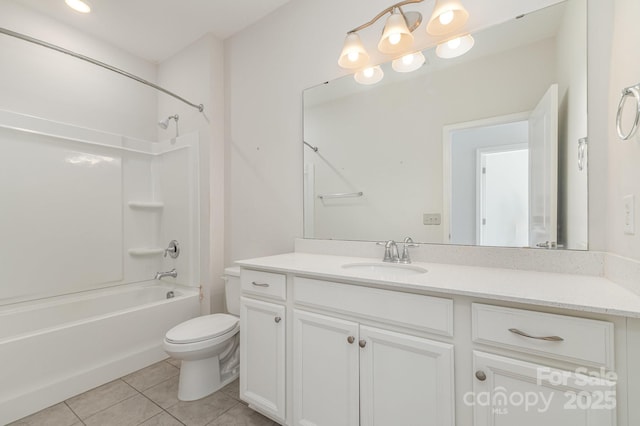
column 172, row 273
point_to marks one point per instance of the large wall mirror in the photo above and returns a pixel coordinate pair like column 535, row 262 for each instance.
column 488, row 148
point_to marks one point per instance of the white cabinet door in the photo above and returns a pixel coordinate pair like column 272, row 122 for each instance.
column 325, row 369
column 262, row 360
column 405, row 380
column 509, row 392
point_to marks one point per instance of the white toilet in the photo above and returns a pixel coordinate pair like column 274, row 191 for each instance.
column 208, row 346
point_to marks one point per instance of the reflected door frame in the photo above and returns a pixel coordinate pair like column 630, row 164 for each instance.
column 447, row 140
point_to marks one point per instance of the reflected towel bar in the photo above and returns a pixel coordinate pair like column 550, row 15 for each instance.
column 341, row 195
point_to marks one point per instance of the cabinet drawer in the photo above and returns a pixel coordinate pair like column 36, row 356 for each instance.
column 267, row 284
column 578, row 340
column 426, row 313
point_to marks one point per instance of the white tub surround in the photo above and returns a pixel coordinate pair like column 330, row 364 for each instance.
column 404, row 346
column 57, row 348
column 89, row 216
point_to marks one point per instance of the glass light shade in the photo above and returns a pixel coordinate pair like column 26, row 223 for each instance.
column 370, row 75
column 78, row 5
column 396, row 37
column 455, row 47
column 353, row 53
column 448, row 16
column 408, row 63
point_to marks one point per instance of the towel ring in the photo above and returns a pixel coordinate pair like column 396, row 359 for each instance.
column 629, row 91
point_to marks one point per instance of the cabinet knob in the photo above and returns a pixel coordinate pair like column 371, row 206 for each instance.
column 481, row 376
column 362, row 343
column 351, row 339
column 277, row 320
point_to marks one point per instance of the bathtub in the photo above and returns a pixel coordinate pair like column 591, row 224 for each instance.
column 58, row 347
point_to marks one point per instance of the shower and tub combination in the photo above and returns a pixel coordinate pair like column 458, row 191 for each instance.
column 88, row 220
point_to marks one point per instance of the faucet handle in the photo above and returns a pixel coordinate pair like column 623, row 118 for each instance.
column 408, row 242
column 173, row 250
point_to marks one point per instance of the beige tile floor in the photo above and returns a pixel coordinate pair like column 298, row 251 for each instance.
column 148, row 397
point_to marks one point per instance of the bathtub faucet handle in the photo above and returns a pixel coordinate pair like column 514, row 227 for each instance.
column 173, row 250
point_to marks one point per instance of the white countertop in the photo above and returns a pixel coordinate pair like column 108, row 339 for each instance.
column 566, row 291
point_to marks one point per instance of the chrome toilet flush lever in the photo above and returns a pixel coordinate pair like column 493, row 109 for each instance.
column 173, row 250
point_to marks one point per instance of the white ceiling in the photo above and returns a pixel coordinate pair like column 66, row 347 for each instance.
column 157, row 29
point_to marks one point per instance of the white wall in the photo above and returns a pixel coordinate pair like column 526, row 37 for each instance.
column 45, row 83
column 268, row 65
column 624, row 157
column 196, row 73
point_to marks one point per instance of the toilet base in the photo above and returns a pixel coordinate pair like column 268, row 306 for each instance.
column 201, row 378
column 198, row 378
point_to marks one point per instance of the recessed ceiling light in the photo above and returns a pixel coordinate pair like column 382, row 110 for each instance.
column 78, row 5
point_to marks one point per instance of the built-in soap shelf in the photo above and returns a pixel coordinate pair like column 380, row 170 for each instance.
column 140, row 252
column 146, row 205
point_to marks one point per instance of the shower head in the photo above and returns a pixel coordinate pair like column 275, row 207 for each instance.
column 165, row 123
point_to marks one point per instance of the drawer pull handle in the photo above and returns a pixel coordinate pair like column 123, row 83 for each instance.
column 547, row 338
column 481, row 376
column 351, row 339
column 260, row 284
column 277, row 320
column 362, row 343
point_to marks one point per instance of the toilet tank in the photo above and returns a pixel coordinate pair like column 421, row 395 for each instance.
column 232, row 289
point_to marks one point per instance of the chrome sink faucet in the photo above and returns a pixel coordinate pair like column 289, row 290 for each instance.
column 172, row 273
column 391, row 254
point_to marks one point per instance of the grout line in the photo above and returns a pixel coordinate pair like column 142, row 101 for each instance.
column 153, row 402
column 74, row 413
column 223, row 413
column 112, row 405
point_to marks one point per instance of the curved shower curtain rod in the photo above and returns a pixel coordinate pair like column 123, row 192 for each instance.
column 42, row 43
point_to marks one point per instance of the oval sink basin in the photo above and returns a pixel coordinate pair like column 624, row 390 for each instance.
column 380, row 268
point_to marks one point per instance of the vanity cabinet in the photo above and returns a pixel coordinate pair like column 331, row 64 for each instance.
column 509, row 391
column 347, row 373
column 319, row 349
column 348, row 369
column 263, row 344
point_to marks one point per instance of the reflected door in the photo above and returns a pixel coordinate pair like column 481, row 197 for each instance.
column 503, row 177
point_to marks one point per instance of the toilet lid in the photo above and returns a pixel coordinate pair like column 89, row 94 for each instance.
column 202, row 328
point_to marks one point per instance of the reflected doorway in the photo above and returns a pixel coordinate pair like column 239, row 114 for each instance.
column 503, row 196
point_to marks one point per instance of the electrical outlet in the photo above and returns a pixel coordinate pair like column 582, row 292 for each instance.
column 431, row 219
column 629, row 215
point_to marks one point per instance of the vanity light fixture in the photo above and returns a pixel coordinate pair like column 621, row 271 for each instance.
column 370, row 75
column 455, row 47
column 408, row 63
column 353, row 53
column 448, row 16
column 78, row 5
column 396, row 37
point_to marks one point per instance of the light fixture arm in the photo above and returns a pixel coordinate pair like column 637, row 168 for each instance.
column 384, row 12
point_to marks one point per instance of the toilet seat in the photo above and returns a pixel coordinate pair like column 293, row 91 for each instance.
column 202, row 328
